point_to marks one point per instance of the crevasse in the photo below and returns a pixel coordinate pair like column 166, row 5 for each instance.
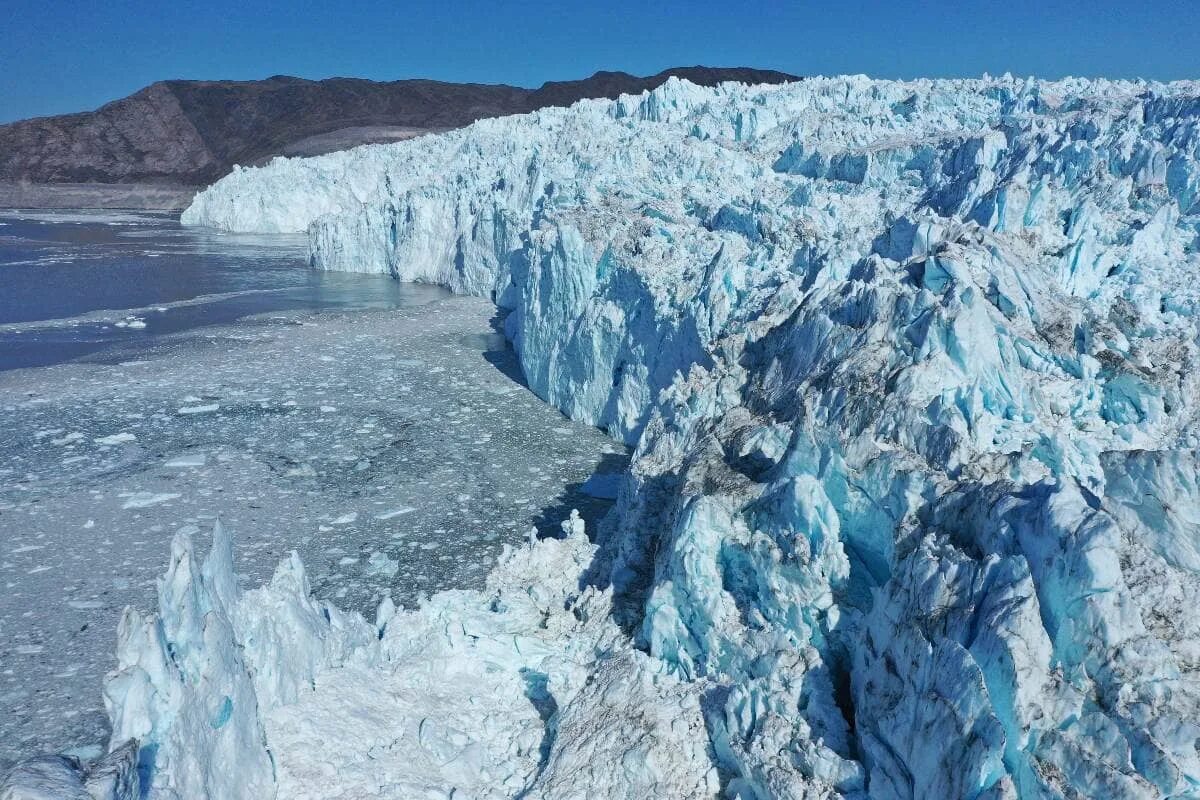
column 913, row 512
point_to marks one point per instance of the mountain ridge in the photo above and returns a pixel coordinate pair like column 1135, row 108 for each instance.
column 192, row 132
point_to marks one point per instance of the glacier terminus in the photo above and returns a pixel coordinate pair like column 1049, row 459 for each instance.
column 910, row 373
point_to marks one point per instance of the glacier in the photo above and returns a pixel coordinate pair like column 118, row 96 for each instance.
column 910, row 373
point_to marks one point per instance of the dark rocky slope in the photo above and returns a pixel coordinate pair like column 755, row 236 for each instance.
column 189, row 133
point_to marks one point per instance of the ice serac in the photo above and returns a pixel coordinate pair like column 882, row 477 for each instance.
column 910, row 368
column 526, row 689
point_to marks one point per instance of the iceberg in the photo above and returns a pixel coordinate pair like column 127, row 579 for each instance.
column 910, row 373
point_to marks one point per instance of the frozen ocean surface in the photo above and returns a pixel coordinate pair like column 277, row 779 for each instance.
column 396, row 452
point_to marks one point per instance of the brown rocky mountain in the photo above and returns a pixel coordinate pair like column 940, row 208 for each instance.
column 173, row 136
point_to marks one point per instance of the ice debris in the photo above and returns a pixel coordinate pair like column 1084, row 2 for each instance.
column 61, row 777
column 465, row 696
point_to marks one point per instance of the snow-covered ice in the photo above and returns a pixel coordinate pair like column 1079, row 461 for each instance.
column 913, row 511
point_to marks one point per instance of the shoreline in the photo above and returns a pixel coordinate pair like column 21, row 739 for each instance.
column 96, row 196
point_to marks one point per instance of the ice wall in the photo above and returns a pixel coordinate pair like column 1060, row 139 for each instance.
column 910, row 368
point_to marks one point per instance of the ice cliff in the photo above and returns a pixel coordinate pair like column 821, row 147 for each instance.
column 910, row 369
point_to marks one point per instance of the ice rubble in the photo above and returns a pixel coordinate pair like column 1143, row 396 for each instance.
column 910, row 370
column 113, row 776
column 526, row 689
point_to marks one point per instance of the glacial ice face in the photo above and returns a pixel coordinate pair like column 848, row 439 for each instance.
column 910, row 369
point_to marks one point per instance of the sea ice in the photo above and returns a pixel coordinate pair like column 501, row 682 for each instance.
column 147, row 499
column 116, row 438
column 206, row 408
column 272, row 470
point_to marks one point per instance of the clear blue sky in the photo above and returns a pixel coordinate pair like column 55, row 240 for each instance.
column 58, row 56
